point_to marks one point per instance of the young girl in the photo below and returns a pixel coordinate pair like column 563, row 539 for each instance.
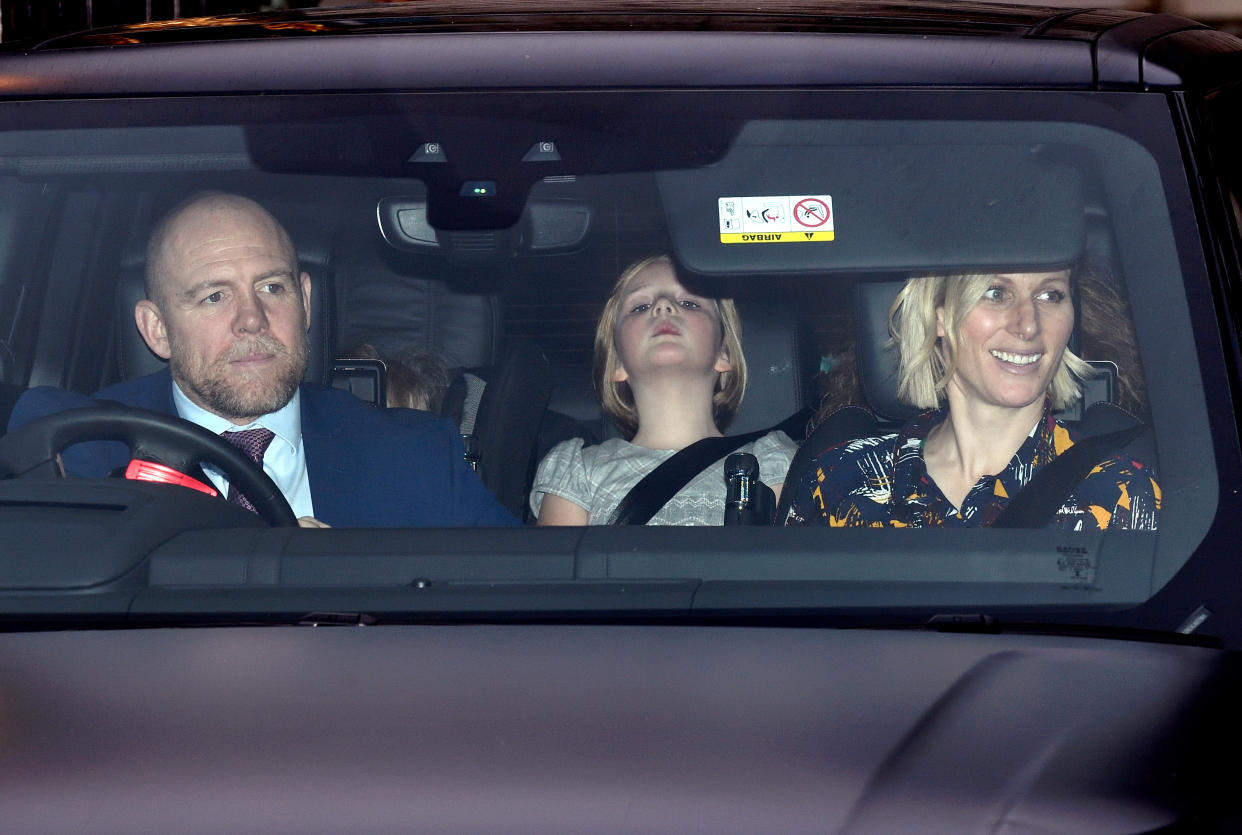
column 669, row 371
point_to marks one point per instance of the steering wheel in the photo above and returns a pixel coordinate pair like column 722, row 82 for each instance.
column 32, row 450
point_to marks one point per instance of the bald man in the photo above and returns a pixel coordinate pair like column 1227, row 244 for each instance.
column 229, row 310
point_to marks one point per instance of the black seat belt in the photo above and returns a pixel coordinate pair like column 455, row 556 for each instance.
column 655, row 489
column 1037, row 503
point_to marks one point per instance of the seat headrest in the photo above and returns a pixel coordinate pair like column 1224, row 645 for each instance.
column 398, row 313
column 778, row 355
column 133, row 355
column 877, row 355
column 400, row 304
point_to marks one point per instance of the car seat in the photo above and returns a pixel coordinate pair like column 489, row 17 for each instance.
column 780, row 359
column 499, row 389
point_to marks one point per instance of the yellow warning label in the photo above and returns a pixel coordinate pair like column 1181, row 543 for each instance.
column 776, row 219
column 775, row 237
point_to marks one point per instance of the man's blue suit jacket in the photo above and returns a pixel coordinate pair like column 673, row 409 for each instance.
column 367, row 467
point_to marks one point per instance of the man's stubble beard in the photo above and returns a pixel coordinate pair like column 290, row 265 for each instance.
column 218, row 394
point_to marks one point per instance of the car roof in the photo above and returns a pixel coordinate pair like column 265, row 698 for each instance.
column 930, row 17
column 642, row 44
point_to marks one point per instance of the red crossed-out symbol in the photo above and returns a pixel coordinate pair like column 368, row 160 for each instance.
column 811, row 211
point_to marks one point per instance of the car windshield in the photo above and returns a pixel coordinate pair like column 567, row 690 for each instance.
column 461, row 248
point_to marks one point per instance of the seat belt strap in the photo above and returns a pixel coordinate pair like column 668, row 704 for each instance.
column 654, row 490
column 658, row 486
column 1037, row 503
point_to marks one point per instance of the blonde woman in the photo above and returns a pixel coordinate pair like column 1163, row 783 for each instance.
column 987, row 355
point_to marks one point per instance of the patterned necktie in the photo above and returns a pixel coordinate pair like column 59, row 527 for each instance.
column 253, row 442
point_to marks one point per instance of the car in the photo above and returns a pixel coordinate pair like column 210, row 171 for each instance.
column 463, row 184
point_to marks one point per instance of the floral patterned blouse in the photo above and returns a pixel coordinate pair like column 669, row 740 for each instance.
column 883, row 482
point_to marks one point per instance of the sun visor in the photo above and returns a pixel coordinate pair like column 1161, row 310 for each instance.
column 810, row 208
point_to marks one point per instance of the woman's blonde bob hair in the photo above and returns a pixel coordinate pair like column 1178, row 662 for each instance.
column 927, row 363
column 617, row 399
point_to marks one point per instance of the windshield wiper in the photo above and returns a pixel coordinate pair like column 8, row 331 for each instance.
column 337, row 619
column 982, row 623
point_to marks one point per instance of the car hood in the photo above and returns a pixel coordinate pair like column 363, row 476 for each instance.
column 593, row 728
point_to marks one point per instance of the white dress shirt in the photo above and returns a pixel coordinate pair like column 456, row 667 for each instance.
column 285, row 459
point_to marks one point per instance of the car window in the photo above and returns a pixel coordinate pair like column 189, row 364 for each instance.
column 483, row 233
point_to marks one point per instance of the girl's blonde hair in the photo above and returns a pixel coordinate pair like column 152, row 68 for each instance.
column 617, row 398
column 927, row 362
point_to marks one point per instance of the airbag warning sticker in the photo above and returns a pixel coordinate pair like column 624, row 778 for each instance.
column 776, row 220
